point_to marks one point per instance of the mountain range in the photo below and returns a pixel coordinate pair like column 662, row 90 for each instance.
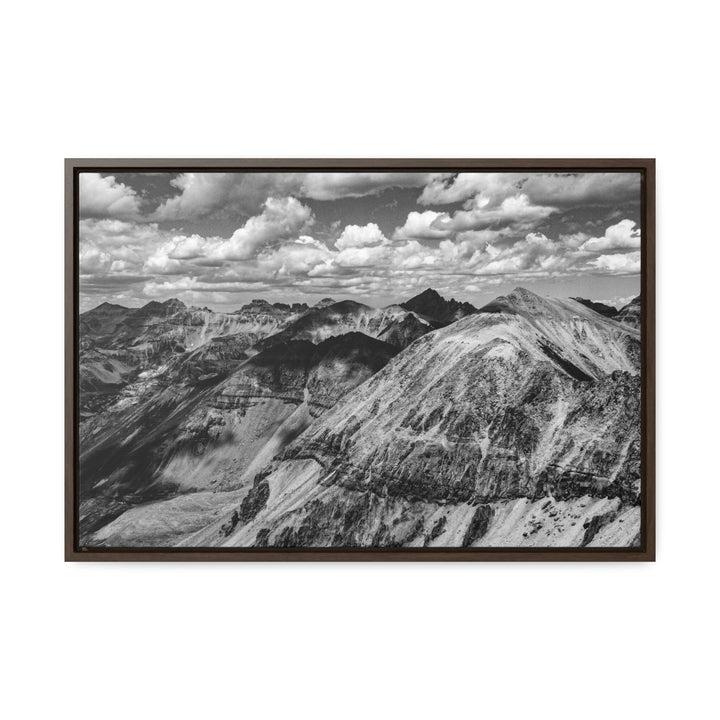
column 428, row 423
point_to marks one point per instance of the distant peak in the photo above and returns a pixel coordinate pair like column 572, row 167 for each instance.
column 110, row 306
column 523, row 293
column 169, row 306
column 598, row 307
column 519, row 299
column 174, row 303
column 324, row 303
column 433, row 305
column 255, row 304
column 430, row 292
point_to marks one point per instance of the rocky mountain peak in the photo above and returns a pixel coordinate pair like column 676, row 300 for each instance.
column 324, row 303
column 174, row 304
column 256, row 305
column 519, row 299
column 433, row 305
column 110, row 306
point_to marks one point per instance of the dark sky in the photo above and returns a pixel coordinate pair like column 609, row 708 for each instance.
column 221, row 239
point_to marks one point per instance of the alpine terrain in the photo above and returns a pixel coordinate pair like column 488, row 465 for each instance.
column 426, row 423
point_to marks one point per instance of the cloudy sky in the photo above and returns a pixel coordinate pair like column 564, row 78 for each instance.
column 221, row 239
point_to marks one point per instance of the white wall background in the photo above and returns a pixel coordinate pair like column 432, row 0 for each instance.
column 332, row 79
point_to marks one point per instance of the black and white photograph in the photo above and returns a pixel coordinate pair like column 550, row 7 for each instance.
column 359, row 359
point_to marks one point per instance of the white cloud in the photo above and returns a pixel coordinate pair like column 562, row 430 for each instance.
column 357, row 236
column 188, row 248
column 281, row 219
column 557, row 189
column 488, row 240
column 293, row 259
column 232, row 193
column 479, row 213
column 202, row 194
column 482, row 213
column 622, row 236
column 105, row 197
column 627, row 264
column 428, row 225
column 361, row 256
column 94, row 260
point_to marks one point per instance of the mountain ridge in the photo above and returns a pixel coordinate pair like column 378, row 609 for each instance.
column 344, row 424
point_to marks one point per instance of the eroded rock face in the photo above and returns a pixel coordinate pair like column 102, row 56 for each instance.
column 479, row 414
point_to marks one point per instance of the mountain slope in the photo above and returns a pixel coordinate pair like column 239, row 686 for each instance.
column 516, row 425
column 402, row 332
column 193, row 434
column 119, row 345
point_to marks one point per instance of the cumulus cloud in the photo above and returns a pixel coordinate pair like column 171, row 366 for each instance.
column 103, row 197
column 500, row 228
column 556, row 189
column 281, row 219
column 618, row 264
column 622, row 236
column 481, row 212
column 358, row 236
column 202, row 194
column 94, row 260
column 362, row 259
column 428, row 225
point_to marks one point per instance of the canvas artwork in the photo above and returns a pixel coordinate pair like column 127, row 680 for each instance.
column 359, row 359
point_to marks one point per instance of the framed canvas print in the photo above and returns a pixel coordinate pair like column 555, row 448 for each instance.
column 360, row 359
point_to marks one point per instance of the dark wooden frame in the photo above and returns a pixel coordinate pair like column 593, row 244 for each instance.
column 646, row 552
